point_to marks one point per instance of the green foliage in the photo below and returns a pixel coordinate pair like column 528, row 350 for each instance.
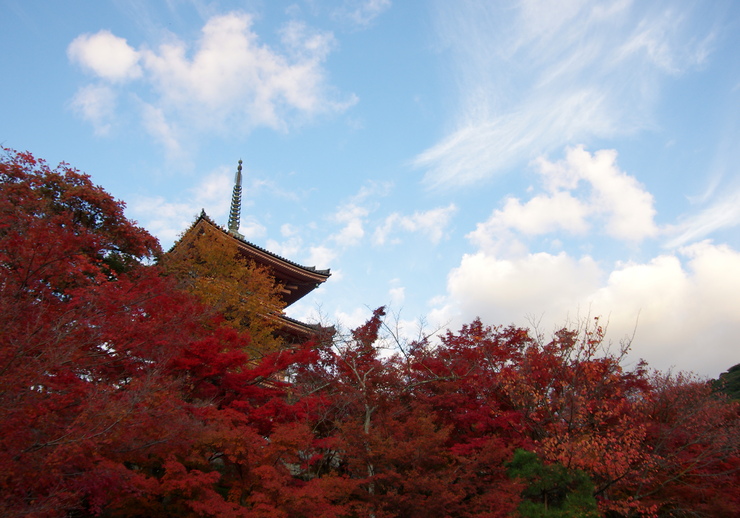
column 552, row 491
column 729, row 382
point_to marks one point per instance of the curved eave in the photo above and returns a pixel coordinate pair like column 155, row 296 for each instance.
column 297, row 280
column 297, row 331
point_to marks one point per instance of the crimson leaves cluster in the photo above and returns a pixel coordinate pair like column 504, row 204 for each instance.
column 121, row 395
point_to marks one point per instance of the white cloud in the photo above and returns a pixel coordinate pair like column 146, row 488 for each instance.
column 96, row 104
column 353, row 217
column 543, row 214
column 353, row 214
column 614, row 200
column 231, row 69
column 432, row 223
column 289, row 248
column 628, row 206
column 536, row 76
column 250, row 228
column 683, row 306
column 320, row 256
column 287, row 230
column 212, row 189
column 508, row 289
column 105, row 55
column 227, row 79
column 688, row 315
column 352, row 319
column 716, row 278
column 397, row 296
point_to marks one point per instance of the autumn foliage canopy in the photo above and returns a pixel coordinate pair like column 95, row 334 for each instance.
column 125, row 392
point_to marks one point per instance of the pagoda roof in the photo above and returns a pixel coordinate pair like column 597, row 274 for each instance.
column 297, row 280
column 296, row 331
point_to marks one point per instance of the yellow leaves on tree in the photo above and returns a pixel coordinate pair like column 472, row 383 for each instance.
column 208, row 264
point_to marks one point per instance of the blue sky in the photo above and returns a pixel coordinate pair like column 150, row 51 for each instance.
column 522, row 161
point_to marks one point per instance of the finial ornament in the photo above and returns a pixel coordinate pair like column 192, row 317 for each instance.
column 236, row 203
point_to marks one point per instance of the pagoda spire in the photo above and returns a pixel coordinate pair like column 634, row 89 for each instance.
column 236, row 203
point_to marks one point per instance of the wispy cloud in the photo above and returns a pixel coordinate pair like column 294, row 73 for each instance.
column 540, row 75
column 432, row 223
column 167, row 218
column 361, row 13
column 397, row 295
column 97, row 105
column 723, row 213
column 156, row 124
column 717, row 207
column 353, row 214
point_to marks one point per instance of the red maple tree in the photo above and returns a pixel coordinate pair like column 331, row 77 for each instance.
column 122, row 395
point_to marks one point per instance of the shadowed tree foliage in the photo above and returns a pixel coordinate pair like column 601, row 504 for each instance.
column 552, row 491
column 77, row 337
column 729, row 382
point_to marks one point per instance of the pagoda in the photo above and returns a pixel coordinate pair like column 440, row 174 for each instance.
column 296, row 281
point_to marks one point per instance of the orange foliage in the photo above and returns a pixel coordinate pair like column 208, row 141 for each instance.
column 207, row 264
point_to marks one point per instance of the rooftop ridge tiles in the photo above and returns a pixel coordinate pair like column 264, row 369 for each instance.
column 296, row 321
column 206, row 217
